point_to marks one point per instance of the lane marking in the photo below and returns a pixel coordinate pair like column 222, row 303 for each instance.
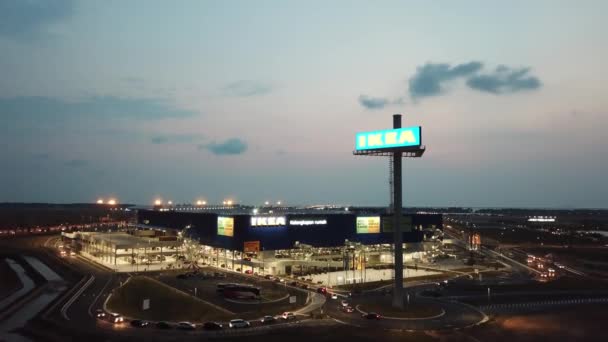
column 99, row 295
column 67, row 305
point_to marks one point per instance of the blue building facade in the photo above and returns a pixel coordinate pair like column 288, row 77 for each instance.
column 283, row 231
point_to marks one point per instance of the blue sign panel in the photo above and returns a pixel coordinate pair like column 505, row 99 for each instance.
column 389, row 138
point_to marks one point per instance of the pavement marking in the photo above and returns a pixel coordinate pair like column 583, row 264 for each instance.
column 99, row 295
column 67, row 305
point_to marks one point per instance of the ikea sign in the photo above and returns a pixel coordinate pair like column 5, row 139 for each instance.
column 388, row 138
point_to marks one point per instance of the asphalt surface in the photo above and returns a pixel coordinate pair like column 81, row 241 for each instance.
column 73, row 314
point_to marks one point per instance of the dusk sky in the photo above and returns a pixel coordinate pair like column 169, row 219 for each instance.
column 261, row 100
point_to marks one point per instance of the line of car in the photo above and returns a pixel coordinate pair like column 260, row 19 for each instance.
column 238, row 323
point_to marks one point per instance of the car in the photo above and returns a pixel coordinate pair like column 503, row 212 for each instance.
column 268, row 320
column 163, row 325
column 288, row 316
column 212, row 326
column 304, row 286
column 239, row 323
column 344, row 303
column 115, row 318
column 334, row 296
column 322, row 290
column 248, row 272
column 139, row 323
column 186, row 326
column 348, row 309
column 100, row 314
column 268, row 276
column 371, row 315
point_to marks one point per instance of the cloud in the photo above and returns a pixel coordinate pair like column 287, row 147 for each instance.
column 231, row 146
column 246, row 88
column 28, row 19
column 504, row 80
column 175, row 138
column 429, row 78
column 76, row 163
column 159, row 140
column 373, row 102
column 35, row 110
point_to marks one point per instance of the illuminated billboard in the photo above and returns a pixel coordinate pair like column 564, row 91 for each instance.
column 225, row 226
column 388, row 138
column 251, row 246
column 267, row 221
column 368, row 225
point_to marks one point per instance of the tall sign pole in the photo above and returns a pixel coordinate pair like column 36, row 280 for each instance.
column 396, row 143
column 397, row 200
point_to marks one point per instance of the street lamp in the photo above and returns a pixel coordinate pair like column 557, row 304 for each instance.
column 158, row 202
column 100, row 201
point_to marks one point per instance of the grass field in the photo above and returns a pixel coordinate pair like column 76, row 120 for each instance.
column 376, row 284
column 414, row 310
column 166, row 303
column 9, row 282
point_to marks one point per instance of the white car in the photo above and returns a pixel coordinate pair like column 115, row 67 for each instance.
column 116, row 318
column 239, row 323
column 288, row 316
column 345, row 303
column 334, row 296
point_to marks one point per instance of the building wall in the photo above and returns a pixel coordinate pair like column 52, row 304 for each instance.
column 339, row 227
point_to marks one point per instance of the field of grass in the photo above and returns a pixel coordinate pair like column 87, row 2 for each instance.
column 376, row 284
column 9, row 282
column 166, row 303
column 413, row 310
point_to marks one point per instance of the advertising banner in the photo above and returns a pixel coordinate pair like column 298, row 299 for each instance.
column 225, row 226
column 368, row 225
column 388, row 138
column 251, row 246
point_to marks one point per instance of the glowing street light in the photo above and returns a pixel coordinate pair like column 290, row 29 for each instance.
column 199, row 202
column 266, row 203
column 112, row 201
column 278, row 202
column 100, row 201
column 158, row 202
column 224, row 202
column 170, row 203
column 229, row 202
